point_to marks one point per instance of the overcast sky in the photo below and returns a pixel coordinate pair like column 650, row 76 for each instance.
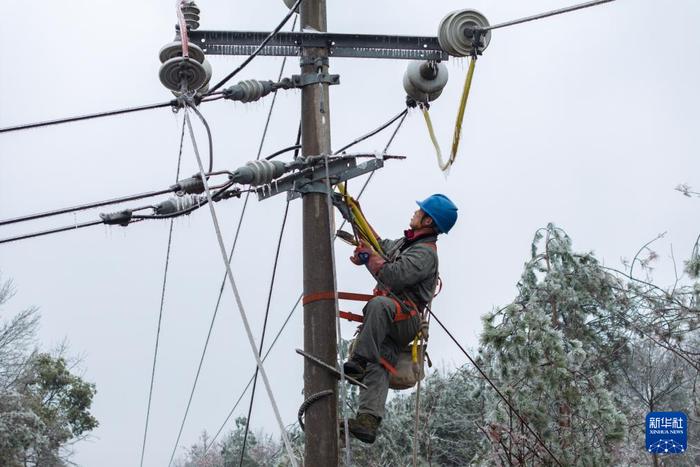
column 587, row 120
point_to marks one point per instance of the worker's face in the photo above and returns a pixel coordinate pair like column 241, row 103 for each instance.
column 419, row 220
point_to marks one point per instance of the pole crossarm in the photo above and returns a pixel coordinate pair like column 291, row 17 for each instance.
column 309, row 180
column 338, row 45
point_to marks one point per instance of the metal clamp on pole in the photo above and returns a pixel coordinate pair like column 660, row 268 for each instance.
column 307, row 79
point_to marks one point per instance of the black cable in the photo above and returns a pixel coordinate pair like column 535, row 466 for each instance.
column 386, row 148
column 373, row 132
column 83, row 207
column 260, row 47
column 282, row 151
column 250, row 381
column 209, row 137
column 309, row 402
column 264, row 328
column 162, row 301
column 51, row 231
column 495, row 388
column 27, row 126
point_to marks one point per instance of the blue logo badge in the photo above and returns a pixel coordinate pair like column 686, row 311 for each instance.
column 667, row 432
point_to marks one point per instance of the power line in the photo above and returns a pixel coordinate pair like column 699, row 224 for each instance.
column 162, row 302
column 262, row 45
column 495, row 388
column 547, row 14
column 78, row 118
column 250, row 381
column 239, row 302
column 51, row 231
column 373, row 132
column 230, row 257
column 264, row 328
column 82, row 207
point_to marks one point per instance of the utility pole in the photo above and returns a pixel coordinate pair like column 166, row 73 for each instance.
column 321, row 448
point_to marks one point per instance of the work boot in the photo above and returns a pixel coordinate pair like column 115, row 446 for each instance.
column 355, row 368
column 364, row 427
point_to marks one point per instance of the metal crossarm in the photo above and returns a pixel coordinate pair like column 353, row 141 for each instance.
column 339, row 45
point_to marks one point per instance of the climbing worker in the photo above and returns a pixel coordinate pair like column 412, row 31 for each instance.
column 406, row 282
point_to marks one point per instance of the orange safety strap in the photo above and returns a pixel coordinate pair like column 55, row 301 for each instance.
column 387, row 366
column 330, row 295
column 351, row 316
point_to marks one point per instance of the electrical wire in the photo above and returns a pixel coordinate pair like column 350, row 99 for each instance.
column 494, row 387
column 282, row 151
column 83, row 207
column 239, row 302
column 50, row 231
column 230, row 257
column 108, row 113
column 373, row 132
column 211, row 144
column 162, row 302
column 547, row 14
column 250, row 381
column 250, row 58
column 264, row 328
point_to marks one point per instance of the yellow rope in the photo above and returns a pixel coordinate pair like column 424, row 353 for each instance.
column 458, row 123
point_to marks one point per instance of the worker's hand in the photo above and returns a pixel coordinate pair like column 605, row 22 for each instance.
column 362, row 253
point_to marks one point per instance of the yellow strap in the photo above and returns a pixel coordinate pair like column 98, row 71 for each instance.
column 458, row 123
column 361, row 223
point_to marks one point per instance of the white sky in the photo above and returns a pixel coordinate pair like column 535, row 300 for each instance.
column 588, row 120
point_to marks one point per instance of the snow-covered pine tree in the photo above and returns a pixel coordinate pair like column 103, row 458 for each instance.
column 553, row 353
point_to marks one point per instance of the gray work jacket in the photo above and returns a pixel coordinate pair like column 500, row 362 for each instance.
column 411, row 269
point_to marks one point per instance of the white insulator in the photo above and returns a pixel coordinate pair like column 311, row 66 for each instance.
column 179, row 71
column 177, row 204
column 265, row 171
column 252, row 89
column 204, row 87
column 191, row 13
column 455, row 32
column 174, row 49
column 260, row 172
column 424, row 81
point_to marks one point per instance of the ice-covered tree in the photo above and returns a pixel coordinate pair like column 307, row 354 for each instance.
column 553, row 352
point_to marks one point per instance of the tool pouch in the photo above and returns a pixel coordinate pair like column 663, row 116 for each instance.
column 407, row 375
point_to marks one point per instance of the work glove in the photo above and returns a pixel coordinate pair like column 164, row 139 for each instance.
column 362, row 253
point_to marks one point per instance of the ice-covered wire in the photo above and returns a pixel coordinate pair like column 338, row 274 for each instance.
column 495, row 388
column 546, row 14
column 309, row 402
column 239, row 302
column 162, row 302
column 264, row 329
column 282, row 151
column 260, row 47
column 250, row 381
column 82, row 207
column 383, row 126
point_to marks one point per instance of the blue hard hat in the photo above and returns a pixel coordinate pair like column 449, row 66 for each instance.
column 441, row 210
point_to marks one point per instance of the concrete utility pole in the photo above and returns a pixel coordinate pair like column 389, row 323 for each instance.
column 321, row 448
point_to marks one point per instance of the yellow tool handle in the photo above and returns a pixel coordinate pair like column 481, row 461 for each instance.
column 362, row 224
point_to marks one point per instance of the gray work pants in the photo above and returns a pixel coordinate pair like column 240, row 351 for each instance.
column 381, row 337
